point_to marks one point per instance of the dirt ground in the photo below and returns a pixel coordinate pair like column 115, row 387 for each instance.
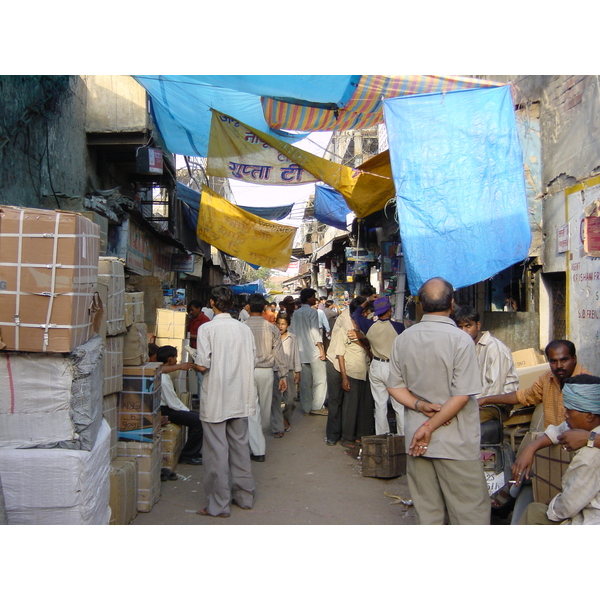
column 302, row 482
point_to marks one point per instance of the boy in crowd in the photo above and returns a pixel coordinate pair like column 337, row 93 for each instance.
column 498, row 373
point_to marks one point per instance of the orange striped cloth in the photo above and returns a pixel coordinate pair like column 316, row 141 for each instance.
column 365, row 107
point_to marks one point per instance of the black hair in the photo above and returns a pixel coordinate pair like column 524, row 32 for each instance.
column 584, row 379
column 283, row 315
column 570, row 346
column 194, row 304
column 152, row 349
column 465, row 313
column 307, row 293
column 222, row 296
column 436, row 295
column 165, row 352
column 355, row 303
column 257, row 303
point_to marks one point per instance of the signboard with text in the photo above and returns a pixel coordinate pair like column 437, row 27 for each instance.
column 583, row 271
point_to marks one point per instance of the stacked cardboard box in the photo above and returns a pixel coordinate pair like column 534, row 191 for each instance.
column 172, row 445
column 171, row 330
column 123, row 491
column 149, row 458
column 48, row 276
column 54, row 443
column 139, row 428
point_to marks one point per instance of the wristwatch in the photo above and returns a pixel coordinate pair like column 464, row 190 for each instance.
column 590, row 442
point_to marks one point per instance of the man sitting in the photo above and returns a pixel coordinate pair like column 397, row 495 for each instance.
column 177, row 412
column 579, row 501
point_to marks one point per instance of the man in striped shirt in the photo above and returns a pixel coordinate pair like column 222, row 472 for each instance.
column 269, row 353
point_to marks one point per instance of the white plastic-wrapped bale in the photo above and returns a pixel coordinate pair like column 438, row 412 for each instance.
column 56, row 486
column 50, row 400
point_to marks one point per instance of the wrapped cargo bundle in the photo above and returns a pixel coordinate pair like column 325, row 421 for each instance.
column 48, row 277
column 50, row 400
column 134, row 308
column 111, row 273
column 123, row 491
column 135, row 348
column 56, row 486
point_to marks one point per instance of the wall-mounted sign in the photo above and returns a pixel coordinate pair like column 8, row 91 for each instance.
column 183, row 263
column 562, row 237
column 149, row 160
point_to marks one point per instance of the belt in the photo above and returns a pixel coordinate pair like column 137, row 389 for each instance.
column 382, row 359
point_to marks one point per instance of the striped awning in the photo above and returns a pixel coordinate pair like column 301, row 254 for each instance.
column 365, row 107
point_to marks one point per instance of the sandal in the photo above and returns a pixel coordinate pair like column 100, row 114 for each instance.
column 286, row 426
column 205, row 513
column 347, row 444
column 279, row 434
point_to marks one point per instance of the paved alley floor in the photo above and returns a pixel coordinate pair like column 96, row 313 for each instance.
column 302, row 482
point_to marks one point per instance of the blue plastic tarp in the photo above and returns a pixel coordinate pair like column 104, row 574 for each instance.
column 255, row 287
column 180, row 104
column 191, row 199
column 330, row 207
column 458, row 170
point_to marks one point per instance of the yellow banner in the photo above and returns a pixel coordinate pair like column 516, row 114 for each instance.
column 237, row 152
column 242, row 234
column 254, row 152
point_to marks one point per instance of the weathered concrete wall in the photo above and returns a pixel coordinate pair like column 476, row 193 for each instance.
column 42, row 118
column 570, row 128
column 518, row 330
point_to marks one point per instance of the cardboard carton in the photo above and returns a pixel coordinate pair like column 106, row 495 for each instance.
column 48, row 277
column 139, row 402
column 112, row 273
column 123, row 491
column 149, row 460
column 170, row 323
column 172, row 445
column 528, row 375
column 135, row 349
column 526, row 358
column 134, row 308
column 110, row 413
column 113, row 364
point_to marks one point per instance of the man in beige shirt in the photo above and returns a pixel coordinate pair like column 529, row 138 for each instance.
column 434, row 374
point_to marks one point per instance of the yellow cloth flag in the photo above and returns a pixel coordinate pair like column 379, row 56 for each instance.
column 242, row 234
column 238, row 150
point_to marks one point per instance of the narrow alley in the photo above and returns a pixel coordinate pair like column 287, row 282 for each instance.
column 302, row 482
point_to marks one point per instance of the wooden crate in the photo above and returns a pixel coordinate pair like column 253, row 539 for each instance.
column 383, row 456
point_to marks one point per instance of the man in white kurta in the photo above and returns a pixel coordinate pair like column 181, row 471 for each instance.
column 226, row 356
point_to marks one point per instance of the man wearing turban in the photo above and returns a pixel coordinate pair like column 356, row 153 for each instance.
column 579, row 501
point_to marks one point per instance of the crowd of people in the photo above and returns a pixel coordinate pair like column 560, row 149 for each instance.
column 433, row 382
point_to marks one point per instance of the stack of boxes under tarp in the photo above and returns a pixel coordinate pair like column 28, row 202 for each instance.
column 54, row 443
column 132, row 395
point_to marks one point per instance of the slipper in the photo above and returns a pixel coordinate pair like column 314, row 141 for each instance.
column 286, row 426
column 203, row 512
column 279, row 434
column 348, row 444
